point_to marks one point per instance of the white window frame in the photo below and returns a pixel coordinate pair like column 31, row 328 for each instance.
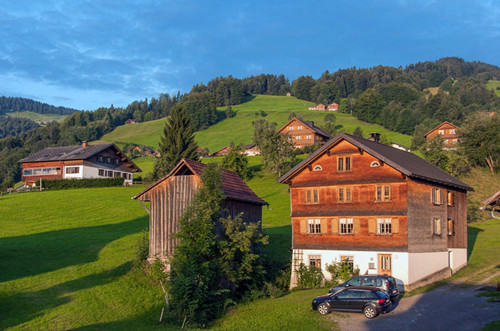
column 313, row 225
column 346, row 226
column 384, row 225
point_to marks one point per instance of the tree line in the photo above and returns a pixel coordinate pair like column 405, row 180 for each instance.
column 14, row 104
column 12, row 126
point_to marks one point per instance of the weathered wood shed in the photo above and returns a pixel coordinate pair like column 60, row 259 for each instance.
column 170, row 195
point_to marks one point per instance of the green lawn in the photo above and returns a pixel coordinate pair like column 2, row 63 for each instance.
column 239, row 129
column 146, row 164
column 493, row 84
column 36, row 117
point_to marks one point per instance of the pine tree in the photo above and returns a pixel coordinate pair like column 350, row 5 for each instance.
column 176, row 143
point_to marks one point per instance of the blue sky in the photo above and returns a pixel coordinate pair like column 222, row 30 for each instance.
column 90, row 54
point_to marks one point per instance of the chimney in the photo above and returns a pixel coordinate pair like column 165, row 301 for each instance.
column 374, row 136
column 84, row 143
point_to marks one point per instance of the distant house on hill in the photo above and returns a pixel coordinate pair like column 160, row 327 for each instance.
column 491, row 203
column 447, row 131
column 170, row 195
column 250, row 150
column 333, row 106
column 379, row 209
column 222, row 152
column 401, row 147
column 131, row 121
column 320, row 107
column 80, row 161
column 304, row 133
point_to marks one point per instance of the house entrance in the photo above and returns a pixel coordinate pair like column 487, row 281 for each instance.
column 385, row 264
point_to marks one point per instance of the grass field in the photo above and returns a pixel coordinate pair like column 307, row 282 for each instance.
column 36, row 117
column 493, row 84
column 239, row 129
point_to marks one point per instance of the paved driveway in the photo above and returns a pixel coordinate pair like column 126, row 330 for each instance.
column 450, row 307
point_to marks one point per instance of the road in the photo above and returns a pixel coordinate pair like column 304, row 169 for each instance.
column 450, row 307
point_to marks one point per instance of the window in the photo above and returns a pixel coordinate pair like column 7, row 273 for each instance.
column 298, row 137
column 451, row 227
column 450, row 199
column 314, row 225
column 72, row 170
column 436, row 196
column 108, row 160
column 110, row 173
column 445, row 142
column 116, row 161
column 299, row 127
column 344, row 163
column 41, row 171
column 384, row 226
column 436, row 226
column 441, row 132
column 454, row 141
column 101, row 172
column 349, row 260
column 356, row 281
column 100, row 159
column 118, row 174
column 315, row 261
column 383, row 193
column 312, row 196
column 290, row 128
column 317, row 168
column 452, row 131
column 344, row 194
column 308, row 137
column 346, row 225
column 374, row 164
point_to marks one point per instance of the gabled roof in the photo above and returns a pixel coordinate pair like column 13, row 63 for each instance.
column 77, row 152
column 249, row 146
column 310, row 125
column 407, row 163
column 232, row 185
column 440, row 125
column 492, row 200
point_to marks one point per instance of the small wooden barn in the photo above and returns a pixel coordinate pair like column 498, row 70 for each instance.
column 170, row 195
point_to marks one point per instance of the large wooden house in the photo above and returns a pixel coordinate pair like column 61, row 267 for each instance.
column 170, row 195
column 448, row 132
column 378, row 208
column 304, row 133
column 80, row 161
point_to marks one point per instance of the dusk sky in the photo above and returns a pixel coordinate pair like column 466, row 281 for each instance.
column 90, row 54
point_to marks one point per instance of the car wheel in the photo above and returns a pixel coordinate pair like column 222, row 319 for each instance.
column 323, row 308
column 370, row 312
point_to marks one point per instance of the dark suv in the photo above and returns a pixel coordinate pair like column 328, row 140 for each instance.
column 371, row 301
column 383, row 282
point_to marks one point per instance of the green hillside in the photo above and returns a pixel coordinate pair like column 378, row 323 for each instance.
column 36, row 117
column 239, row 129
column 494, row 84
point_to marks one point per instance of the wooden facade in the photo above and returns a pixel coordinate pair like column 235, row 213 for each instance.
column 304, row 133
column 358, row 199
column 172, row 194
column 448, row 132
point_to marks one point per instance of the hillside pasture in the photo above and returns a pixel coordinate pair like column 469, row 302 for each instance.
column 239, row 129
column 494, row 84
column 36, row 117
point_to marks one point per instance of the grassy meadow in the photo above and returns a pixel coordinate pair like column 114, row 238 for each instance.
column 239, row 129
column 493, row 84
column 36, row 117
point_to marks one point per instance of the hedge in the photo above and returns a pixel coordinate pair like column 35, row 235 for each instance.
column 57, row 184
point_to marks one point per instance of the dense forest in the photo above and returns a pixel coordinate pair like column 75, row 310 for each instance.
column 9, row 104
column 10, row 126
column 397, row 98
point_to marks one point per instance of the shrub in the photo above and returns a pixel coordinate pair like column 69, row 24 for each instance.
column 309, row 277
column 341, row 271
column 142, row 247
column 58, row 184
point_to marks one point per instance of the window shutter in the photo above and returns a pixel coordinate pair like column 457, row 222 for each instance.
column 356, row 225
column 371, row 225
column 303, row 226
column 335, row 225
column 324, row 225
column 395, row 225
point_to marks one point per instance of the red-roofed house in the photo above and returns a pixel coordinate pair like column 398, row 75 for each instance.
column 333, row 106
column 321, row 107
column 447, row 131
column 170, row 195
column 304, row 133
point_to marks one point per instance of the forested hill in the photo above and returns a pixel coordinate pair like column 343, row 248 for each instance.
column 11, row 104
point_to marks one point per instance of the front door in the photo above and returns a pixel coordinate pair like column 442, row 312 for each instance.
column 385, row 264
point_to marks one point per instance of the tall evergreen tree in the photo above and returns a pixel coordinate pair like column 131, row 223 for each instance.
column 176, row 143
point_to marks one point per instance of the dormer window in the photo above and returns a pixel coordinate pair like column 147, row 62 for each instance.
column 374, row 164
column 317, row 168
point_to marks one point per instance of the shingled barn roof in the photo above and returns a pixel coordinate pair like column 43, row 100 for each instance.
column 232, row 185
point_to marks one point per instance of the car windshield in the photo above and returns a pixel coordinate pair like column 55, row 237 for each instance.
column 354, row 282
